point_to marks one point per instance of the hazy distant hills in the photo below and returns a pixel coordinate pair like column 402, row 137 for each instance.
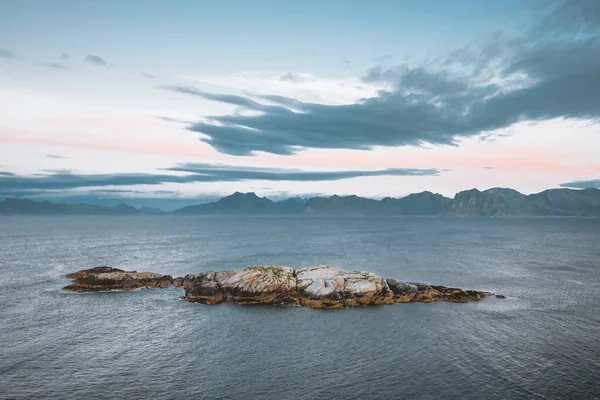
column 12, row 206
column 496, row 202
column 242, row 203
column 425, row 203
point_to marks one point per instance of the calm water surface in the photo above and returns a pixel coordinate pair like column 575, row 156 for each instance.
column 543, row 341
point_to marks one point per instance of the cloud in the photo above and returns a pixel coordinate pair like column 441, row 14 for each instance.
column 64, row 57
column 292, row 77
column 226, row 172
column 64, row 180
column 578, row 16
column 593, row 183
column 7, row 55
column 147, row 75
column 55, row 156
column 306, row 87
column 95, row 60
column 172, row 119
column 224, row 98
column 552, row 72
column 55, row 66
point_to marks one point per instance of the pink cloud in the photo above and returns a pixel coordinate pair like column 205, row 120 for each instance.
column 501, row 157
column 187, row 149
column 496, row 156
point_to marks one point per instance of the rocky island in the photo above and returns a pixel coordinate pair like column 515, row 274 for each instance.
column 107, row 278
column 316, row 287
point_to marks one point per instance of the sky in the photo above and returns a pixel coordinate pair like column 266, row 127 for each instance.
column 178, row 102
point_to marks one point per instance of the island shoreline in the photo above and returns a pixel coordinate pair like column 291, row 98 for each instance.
column 321, row 286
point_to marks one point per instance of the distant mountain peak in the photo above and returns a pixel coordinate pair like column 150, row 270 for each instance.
column 506, row 202
column 241, row 194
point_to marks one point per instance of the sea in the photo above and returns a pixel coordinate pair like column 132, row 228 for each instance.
column 541, row 342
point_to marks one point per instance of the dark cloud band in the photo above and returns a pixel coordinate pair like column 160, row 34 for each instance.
column 588, row 184
column 10, row 183
column 553, row 72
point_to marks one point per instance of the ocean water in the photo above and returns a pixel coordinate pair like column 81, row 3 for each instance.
column 543, row 341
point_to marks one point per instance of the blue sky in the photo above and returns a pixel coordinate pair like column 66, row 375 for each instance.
column 466, row 93
column 224, row 36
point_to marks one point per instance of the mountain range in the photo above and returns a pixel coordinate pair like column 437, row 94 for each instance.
column 14, row 206
column 496, row 202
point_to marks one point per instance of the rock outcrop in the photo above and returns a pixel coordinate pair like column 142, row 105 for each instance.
column 409, row 292
column 108, row 278
column 252, row 285
column 315, row 287
column 332, row 287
